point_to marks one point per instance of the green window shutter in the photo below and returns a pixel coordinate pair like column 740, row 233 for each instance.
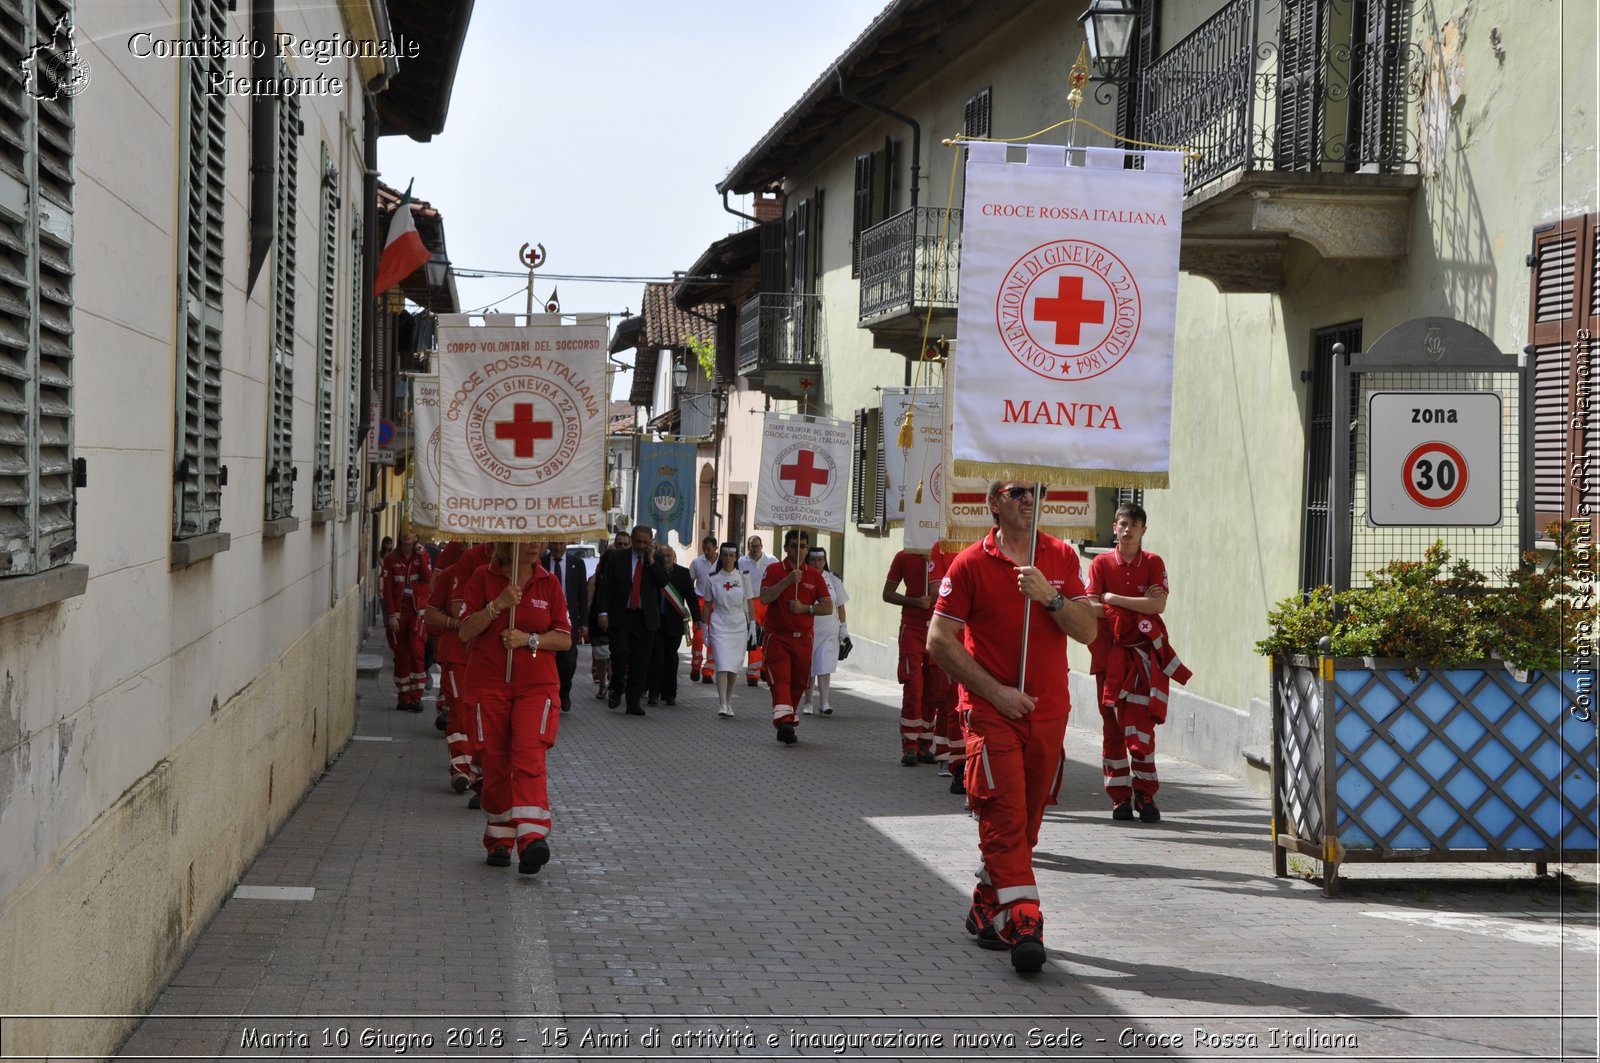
column 280, row 414
column 36, row 332
column 197, row 472
column 322, row 471
column 353, row 456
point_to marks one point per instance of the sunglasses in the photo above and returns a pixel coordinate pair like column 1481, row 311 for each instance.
column 1017, row 491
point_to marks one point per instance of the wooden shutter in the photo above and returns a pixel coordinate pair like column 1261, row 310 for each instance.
column 322, row 453
column 197, row 476
column 37, row 517
column 1380, row 102
column 1563, row 314
column 1130, row 100
column 861, row 208
column 280, row 412
column 772, row 256
column 352, row 431
column 1301, row 55
column 866, row 481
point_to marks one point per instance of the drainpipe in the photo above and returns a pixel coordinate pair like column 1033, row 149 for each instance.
column 736, row 213
column 916, row 131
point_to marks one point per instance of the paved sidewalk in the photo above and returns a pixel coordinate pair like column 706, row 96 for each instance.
column 711, row 888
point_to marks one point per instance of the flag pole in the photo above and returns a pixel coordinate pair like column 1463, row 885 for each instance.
column 516, row 564
column 1027, row 603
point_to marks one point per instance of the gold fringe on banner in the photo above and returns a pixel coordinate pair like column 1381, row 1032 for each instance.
column 1056, row 476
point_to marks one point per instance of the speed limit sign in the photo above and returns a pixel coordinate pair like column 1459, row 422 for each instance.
column 1433, row 458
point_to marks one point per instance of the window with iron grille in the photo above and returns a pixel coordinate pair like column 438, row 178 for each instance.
column 280, row 423
column 353, row 455
column 327, row 338
column 37, row 519
column 976, row 117
column 1563, row 314
column 867, row 480
column 197, row 475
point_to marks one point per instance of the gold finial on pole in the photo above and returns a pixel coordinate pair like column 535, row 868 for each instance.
column 1078, row 77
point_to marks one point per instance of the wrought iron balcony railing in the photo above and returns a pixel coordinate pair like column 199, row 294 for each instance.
column 778, row 331
column 902, row 269
column 1316, row 86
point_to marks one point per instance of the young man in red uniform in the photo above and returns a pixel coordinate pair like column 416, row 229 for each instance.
column 513, row 616
column 1014, row 736
column 1132, row 664
column 457, row 561
column 793, row 593
column 924, row 684
column 406, row 572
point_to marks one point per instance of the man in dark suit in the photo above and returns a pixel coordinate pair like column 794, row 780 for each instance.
column 664, row 666
column 574, row 577
column 629, row 596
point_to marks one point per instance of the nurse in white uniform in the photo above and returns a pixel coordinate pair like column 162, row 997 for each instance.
column 732, row 622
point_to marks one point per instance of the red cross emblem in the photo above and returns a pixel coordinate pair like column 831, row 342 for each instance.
column 523, row 429
column 730, row 585
column 804, row 473
column 1069, row 311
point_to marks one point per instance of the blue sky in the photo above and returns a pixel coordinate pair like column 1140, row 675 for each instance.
column 600, row 130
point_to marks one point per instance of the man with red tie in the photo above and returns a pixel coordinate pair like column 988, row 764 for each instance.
column 629, row 594
column 794, row 593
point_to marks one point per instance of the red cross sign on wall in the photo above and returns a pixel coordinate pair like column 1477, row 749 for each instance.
column 523, row 429
column 1069, row 311
column 804, row 473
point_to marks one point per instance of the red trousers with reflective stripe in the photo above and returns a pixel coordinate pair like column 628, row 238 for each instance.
column 409, row 644
column 519, row 727
column 788, row 671
column 697, row 643
column 949, row 733
column 1014, row 770
column 461, row 726
column 1128, row 750
column 923, row 683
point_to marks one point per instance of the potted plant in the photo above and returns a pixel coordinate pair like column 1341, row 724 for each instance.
column 1433, row 716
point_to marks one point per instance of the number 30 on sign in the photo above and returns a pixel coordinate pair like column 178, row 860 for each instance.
column 1434, row 459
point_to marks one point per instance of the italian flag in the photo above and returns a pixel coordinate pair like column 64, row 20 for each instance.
column 403, row 252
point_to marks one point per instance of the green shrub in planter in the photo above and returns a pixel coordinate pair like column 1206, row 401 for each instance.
column 1442, row 614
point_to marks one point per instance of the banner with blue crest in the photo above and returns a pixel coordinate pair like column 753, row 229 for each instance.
column 666, row 488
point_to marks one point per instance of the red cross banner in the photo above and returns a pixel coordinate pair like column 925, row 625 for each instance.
column 905, row 467
column 522, row 427
column 805, row 463
column 1069, row 291
column 424, row 463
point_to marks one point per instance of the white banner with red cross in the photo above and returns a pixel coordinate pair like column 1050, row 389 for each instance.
column 424, row 464
column 522, row 427
column 905, row 467
column 1069, row 285
column 805, row 464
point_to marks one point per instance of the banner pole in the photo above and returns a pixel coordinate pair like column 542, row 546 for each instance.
column 516, row 565
column 1027, row 610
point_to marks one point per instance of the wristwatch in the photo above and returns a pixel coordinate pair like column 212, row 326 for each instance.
column 1055, row 605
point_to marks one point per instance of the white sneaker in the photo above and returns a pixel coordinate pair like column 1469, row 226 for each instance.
column 807, row 711
column 725, row 711
column 826, row 710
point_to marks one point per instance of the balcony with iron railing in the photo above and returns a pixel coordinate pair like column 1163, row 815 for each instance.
column 909, row 266
column 780, row 343
column 1298, row 112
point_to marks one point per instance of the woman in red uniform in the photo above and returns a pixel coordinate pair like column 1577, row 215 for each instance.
column 525, row 618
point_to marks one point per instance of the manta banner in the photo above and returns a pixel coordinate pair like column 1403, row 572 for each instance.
column 1069, row 288
column 522, row 414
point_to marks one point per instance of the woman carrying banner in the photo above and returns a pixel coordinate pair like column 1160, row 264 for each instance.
column 826, row 635
column 732, row 623
column 515, row 610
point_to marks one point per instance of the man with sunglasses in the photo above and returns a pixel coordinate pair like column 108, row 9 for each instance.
column 1014, row 736
column 794, row 594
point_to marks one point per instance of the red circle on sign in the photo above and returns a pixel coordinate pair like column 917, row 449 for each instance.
column 1409, row 466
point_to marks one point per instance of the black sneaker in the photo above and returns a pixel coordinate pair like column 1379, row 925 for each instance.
column 475, row 801
column 786, row 734
column 1025, row 928
column 1122, row 810
column 927, row 758
column 956, row 785
column 752, row 682
column 1148, row 812
column 442, row 720
column 979, row 926
column 535, row 855
column 500, row 857
column 459, row 783
column 614, row 698
column 908, row 760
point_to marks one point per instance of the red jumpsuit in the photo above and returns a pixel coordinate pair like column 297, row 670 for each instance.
column 405, row 595
column 1014, row 767
column 519, row 718
column 757, row 570
column 927, row 698
column 1128, row 723
column 700, row 664
column 789, row 643
column 452, row 654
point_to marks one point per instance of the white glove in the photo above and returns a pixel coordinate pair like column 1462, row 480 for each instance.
column 844, row 632
column 750, row 631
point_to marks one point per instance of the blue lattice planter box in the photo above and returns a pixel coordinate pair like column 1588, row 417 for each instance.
column 1470, row 763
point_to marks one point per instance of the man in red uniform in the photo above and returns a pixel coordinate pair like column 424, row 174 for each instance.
column 1014, row 734
column 457, row 561
column 793, row 593
column 754, row 563
column 436, row 620
column 923, row 682
column 1132, row 665
column 406, row 572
